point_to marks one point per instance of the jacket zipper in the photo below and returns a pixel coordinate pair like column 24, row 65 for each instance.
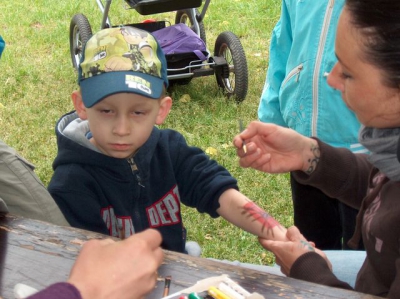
column 318, row 61
column 135, row 171
column 137, row 220
column 294, row 72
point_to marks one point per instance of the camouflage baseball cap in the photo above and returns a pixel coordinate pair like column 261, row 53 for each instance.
column 123, row 59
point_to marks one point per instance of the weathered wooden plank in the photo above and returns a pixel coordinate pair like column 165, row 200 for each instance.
column 38, row 254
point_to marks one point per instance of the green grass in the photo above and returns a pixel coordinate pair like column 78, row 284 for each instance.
column 37, row 79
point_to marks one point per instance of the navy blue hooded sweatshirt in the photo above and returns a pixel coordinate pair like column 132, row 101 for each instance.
column 122, row 196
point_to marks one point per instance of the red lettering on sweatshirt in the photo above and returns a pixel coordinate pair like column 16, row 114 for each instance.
column 166, row 211
column 121, row 227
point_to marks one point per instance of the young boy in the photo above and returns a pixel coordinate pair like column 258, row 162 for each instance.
column 116, row 173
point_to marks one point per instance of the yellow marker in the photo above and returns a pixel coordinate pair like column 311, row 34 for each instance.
column 225, row 288
column 217, row 294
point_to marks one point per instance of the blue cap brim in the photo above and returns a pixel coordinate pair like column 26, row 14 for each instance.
column 96, row 88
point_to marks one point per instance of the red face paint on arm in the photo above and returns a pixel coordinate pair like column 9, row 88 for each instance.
column 260, row 215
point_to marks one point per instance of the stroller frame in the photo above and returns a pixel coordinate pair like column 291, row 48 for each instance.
column 228, row 63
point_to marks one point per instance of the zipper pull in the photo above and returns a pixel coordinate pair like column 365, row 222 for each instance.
column 139, row 179
column 298, row 72
column 135, row 171
column 132, row 164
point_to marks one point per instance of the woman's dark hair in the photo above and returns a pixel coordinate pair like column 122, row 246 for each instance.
column 379, row 22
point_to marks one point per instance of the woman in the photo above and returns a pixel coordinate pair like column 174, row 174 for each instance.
column 368, row 75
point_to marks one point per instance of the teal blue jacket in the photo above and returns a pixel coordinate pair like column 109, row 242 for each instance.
column 296, row 93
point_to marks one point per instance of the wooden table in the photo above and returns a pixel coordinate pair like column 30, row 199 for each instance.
column 38, row 254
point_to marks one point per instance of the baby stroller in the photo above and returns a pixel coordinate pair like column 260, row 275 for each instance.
column 228, row 64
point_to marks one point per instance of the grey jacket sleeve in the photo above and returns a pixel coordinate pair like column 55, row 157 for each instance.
column 23, row 192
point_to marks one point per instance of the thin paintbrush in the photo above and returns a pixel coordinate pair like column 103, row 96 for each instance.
column 166, row 286
column 241, row 130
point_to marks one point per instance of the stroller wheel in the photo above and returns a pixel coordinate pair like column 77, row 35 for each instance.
column 79, row 33
column 233, row 77
column 185, row 16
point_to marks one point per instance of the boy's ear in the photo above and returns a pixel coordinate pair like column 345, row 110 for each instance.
column 165, row 108
column 80, row 108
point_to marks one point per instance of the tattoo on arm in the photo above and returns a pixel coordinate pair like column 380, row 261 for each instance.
column 307, row 245
column 313, row 161
column 258, row 214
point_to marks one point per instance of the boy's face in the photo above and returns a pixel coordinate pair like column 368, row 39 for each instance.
column 122, row 123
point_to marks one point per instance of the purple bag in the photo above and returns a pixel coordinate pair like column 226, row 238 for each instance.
column 179, row 38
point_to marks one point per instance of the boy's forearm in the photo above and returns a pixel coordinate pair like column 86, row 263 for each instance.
column 242, row 212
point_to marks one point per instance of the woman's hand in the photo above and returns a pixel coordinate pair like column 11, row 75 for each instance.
column 274, row 149
column 287, row 252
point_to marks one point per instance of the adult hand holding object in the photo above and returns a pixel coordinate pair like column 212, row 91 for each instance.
column 107, row 269
column 274, row 149
column 125, row 269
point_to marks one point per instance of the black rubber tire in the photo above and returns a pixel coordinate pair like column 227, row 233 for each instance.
column 234, row 82
column 79, row 33
column 183, row 16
